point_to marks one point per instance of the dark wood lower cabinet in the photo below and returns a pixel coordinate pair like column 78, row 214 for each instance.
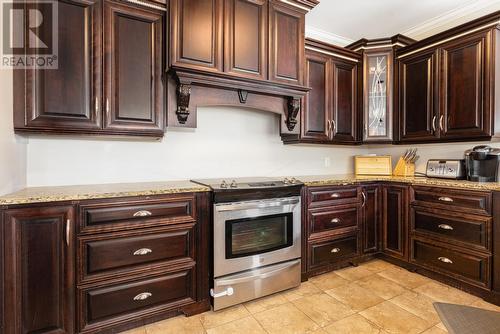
column 39, row 260
column 446, row 234
column 104, row 266
column 395, row 220
column 372, row 217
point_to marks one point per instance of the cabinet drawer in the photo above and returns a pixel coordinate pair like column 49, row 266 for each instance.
column 122, row 215
column 110, row 254
column 468, row 229
column 323, row 253
column 470, row 267
column 318, row 195
column 457, row 200
column 128, row 300
column 333, row 218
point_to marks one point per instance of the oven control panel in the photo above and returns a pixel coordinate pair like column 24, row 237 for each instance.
column 446, row 169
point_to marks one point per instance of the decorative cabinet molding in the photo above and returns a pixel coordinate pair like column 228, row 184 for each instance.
column 109, row 79
column 183, row 95
column 247, row 52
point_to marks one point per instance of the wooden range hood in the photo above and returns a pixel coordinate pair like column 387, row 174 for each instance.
column 247, row 53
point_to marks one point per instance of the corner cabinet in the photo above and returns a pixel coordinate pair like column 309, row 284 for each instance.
column 109, row 75
column 40, row 259
column 447, row 86
column 378, row 85
column 330, row 112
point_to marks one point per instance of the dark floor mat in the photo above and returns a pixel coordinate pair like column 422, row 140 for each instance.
column 461, row 319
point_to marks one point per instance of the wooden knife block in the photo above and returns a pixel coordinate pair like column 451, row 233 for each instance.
column 404, row 168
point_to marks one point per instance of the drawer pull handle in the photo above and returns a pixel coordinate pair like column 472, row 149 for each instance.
column 445, row 199
column 335, row 250
column 445, row 227
column 142, row 213
column 335, row 220
column 335, row 195
column 142, row 251
column 143, row 296
column 445, row 260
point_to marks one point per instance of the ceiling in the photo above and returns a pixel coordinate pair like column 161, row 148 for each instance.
column 341, row 22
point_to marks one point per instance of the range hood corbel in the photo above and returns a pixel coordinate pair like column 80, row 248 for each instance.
column 188, row 90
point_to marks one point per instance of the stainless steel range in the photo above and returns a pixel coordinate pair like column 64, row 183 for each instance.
column 257, row 238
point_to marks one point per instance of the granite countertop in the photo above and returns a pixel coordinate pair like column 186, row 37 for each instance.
column 345, row 179
column 83, row 192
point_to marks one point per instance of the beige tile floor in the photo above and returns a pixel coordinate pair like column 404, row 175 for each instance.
column 376, row 297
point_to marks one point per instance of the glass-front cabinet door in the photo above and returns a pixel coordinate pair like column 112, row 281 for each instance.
column 377, row 96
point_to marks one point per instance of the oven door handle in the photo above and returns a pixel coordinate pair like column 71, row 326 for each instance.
column 256, row 205
column 261, row 276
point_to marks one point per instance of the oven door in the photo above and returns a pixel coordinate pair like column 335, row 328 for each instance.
column 253, row 234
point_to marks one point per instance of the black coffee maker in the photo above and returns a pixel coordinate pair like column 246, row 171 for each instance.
column 482, row 163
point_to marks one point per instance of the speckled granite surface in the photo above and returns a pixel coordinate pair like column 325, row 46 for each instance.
column 344, row 179
column 83, row 192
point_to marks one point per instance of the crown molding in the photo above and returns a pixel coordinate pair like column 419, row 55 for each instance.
column 327, row 37
column 467, row 12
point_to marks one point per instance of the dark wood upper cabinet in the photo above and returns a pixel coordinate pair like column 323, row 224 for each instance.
column 196, row 34
column 68, row 97
column 371, row 217
column 465, row 88
column 316, row 104
column 133, row 68
column 40, row 287
column 395, row 220
column 448, row 84
column 245, row 38
column 345, row 101
column 286, row 45
column 109, row 75
column 417, row 97
column 331, row 109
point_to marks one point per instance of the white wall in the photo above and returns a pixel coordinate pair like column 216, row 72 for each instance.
column 228, row 142
column 12, row 147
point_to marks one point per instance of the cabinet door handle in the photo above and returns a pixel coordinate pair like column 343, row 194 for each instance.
column 335, row 250
column 445, row 199
column 334, row 127
column 445, row 260
column 143, row 296
column 434, row 124
column 335, row 220
column 334, row 195
column 364, row 199
column 445, row 227
column 96, row 105
column 68, row 230
column 107, row 106
column 142, row 251
column 142, row 213
column 329, row 128
column 441, row 126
